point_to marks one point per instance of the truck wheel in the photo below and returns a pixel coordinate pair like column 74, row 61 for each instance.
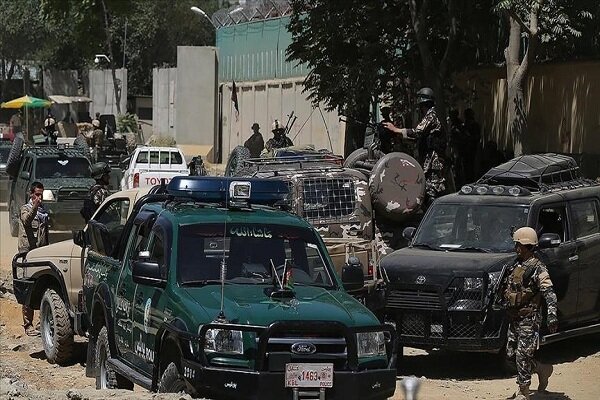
column 13, row 161
column 13, row 220
column 55, row 328
column 360, row 155
column 106, row 377
column 235, row 161
column 171, row 380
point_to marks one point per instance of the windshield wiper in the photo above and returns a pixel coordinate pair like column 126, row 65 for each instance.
column 202, row 282
column 470, row 248
column 425, row 246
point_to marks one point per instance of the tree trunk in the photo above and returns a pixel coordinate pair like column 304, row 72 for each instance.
column 354, row 136
column 517, row 117
column 112, row 58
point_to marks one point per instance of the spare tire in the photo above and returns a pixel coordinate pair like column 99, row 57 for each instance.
column 14, row 157
column 360, row 155
column 81, row 143
column 236, row 160
column 397, row 186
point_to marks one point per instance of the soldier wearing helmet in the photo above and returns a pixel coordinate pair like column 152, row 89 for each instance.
column 279, row 138
column 525, row 284
column 432, row 144
column 99, row 192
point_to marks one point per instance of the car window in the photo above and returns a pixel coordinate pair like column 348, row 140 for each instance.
column 585, row 218
column 27, row 165
column 154, row 157
column 553, row 220
column 56, row 167
column 176, row 158
column 164, row 157
column 142, row 157
column 157, row 255
column 114, row 215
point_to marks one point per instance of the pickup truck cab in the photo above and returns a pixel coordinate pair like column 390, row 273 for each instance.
column 218, row 292
column 50, row 279
column 148, row 165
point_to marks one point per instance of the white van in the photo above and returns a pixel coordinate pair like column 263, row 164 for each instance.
column 148, row 165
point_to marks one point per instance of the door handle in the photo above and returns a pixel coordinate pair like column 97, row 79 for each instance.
column 574, row 258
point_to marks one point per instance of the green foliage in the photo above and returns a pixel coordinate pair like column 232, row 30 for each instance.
column 127, row 123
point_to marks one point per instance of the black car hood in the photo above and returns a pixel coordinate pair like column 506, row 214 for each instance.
column 439, row 267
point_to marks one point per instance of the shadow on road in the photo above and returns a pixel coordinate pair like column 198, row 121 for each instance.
column 440, row 364
column 549, row 396
column 78, row 357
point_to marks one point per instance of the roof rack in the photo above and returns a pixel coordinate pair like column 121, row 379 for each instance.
column 538, row 172
column 56, row 149
column 303, row 161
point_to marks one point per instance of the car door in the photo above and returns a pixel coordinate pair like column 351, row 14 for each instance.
column 585, row 215
column 562, row 260
column 148, row 300
column 126, row 289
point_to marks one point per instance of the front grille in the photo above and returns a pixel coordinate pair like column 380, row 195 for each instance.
column 328, row 349
column 412, row 325
column 464, row 330
column 414, row 300
column 67, row 194
column 324, row 198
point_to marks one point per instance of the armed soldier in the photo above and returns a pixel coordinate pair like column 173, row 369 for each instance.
column 279, row 139
column 526, row 282
column 432, row 144
column 99, row 192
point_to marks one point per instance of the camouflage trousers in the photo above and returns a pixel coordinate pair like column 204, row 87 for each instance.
column 435, row 182
column 523, row 337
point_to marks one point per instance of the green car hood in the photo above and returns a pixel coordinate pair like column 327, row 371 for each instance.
column 251, row 304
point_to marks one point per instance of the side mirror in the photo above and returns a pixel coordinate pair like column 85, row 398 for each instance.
column 549, row 240
column 25, row 175
column 408, row 233
column 147, row 273
column 79, row 238
column 352, row 275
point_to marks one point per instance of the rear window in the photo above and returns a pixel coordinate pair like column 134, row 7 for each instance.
column 160, row 157
column 46, row 168
column 142, row 157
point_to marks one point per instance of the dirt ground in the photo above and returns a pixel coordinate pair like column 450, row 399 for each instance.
column 25, row 373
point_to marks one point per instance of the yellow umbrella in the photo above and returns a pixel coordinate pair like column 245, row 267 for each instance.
column 27, row 102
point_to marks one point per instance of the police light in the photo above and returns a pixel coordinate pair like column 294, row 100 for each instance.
column 211, row 189
column 497, row 190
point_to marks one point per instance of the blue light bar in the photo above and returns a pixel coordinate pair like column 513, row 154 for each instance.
column 219, row 189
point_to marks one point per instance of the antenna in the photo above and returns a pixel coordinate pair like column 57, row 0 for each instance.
column 221, row 317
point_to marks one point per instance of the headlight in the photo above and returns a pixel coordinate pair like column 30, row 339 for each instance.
column 370, row 344
column 494, row 277
column 473, row 284
column 48, row 195
column 224, row 341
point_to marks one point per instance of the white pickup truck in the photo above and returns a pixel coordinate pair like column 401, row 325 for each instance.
column 148, row 165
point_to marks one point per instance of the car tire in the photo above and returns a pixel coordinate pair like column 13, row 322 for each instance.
column 171, row 380
column 235, row 161
column 55, row 328
column 360, row 155
column 106, row 377
column 13, row 162
column 13, row 220
column 81, row 143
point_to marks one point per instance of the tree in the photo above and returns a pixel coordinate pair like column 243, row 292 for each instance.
column 534, row 22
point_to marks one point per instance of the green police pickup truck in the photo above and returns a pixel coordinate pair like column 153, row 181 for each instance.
column 213, row 289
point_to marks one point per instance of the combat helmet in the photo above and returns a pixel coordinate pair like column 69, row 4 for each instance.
column 425, row 95
column 525, row 236
column 99, row 169
column 277, row 127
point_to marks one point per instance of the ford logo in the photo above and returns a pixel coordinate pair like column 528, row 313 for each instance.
column 303, row 348
column 420, row 280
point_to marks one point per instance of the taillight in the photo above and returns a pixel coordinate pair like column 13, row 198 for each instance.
column 370, row 270
column 136, row 180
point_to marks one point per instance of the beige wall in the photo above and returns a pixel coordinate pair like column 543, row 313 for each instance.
column 563, row 102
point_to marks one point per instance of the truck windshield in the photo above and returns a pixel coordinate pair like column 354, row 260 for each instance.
column 470, row 227
column 54, row 167
column 252, row 253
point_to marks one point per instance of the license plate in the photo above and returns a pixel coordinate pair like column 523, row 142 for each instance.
column 298, row 375
column 437, row 328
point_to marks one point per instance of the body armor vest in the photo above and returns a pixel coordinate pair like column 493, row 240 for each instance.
column 522, row 297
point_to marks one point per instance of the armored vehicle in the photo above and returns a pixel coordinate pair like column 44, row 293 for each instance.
column 50, row 279
column 65, row 173
column 4, row 179
column 443, row 289
column 219, row 293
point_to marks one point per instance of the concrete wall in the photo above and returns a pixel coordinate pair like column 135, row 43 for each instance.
column 164, row 82
column 60, row 82
column 102, row 91
column 265, row 101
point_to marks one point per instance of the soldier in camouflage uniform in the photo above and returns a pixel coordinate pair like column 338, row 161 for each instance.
column 526, row 282
column 99, row 192
column 279, row 139
column 432, row 137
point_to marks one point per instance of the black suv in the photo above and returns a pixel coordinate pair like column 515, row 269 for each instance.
column 442, row 289
column 4, row 180
column 65, row 174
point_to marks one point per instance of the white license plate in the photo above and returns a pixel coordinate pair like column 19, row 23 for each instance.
column 435, row 328
column 309, row 375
